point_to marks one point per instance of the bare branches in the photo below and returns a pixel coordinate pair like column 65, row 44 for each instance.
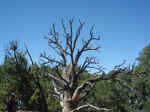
column 58, row 93
column 78, row 34
column 85, row 47
column 70, row 42
column 120, row 65
column 60, row 76
column 57, row 80
column 78, row 90
column 69, row 38
column 52, row 60
column 108, row 77
column 91, row 82
column 70, row 50
column 67, row 35
column 54, row 43
column 91, row 106
column 87, row 64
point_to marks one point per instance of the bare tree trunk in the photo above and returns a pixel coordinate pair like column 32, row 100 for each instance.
column 69, row 105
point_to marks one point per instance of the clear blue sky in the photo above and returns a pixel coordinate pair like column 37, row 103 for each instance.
column 123, row 24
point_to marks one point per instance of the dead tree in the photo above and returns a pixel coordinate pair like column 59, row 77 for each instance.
column 66, row 86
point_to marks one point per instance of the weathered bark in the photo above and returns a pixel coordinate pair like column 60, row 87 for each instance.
column 69, row 105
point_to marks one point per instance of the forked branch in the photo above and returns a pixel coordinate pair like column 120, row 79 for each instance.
column 86, row 45
column 92, row 82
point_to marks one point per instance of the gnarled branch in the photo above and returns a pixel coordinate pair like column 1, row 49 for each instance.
column 92, row 82
column 91, row 106
column 86, row 45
